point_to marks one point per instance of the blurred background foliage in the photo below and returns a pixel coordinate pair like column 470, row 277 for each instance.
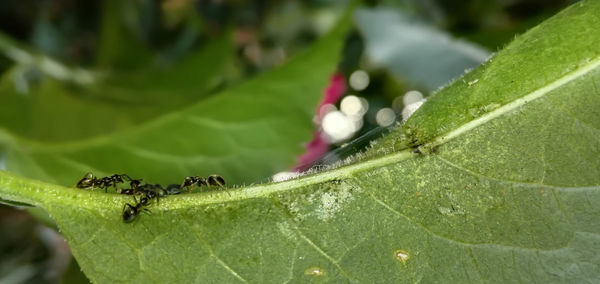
column 136, row 60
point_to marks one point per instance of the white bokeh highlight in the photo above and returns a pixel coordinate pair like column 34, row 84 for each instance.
column 359, row 80
column 385, row 117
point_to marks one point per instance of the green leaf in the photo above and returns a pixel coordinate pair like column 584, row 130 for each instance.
column 116, row 101
column 120, row 46
column 507, row 194
column 245, row 133
column 189, row 79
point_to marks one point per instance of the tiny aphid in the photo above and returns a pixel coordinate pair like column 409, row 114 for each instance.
column 173, row 189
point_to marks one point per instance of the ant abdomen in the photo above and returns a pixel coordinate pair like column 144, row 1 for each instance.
column 86, row 181
column 212, row 180
column 130, row 212
column 216, row 180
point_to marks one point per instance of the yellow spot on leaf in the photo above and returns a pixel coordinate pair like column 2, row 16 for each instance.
column 401, row 256
column 315, row 271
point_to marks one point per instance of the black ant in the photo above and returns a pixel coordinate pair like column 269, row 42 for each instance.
column 212, row 180
column 89, row 180
column 130, row 212
column 149, row 191
column 146, row 192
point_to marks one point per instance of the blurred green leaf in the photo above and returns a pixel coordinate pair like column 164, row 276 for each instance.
column 188, row 79
column 245, row 133
column 44, row 108
column 28, row 60
column 508, row 194
column 120, row 47
column 413, row 51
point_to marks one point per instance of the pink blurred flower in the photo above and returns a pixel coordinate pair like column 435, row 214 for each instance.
column 336, row 88
column 318, row 146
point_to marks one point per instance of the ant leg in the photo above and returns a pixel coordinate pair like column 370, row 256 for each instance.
column 126, row 177
column 104, row 183
column 200, row 181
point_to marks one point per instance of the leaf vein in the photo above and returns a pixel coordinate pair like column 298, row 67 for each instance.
column 475, row 264
column 323, row 253
column 520, row 183
column 433, row 234
column 219, row 260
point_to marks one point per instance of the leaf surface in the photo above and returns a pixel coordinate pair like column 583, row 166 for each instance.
column 509, row 194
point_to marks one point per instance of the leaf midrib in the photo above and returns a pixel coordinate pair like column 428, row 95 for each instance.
column 538, row 93
column 105, row 201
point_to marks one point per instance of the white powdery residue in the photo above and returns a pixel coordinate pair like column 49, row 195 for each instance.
column 331, row 203
column 283, row 176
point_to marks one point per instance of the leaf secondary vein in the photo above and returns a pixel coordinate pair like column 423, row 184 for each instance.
column 534, row 185
column 455, row 241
